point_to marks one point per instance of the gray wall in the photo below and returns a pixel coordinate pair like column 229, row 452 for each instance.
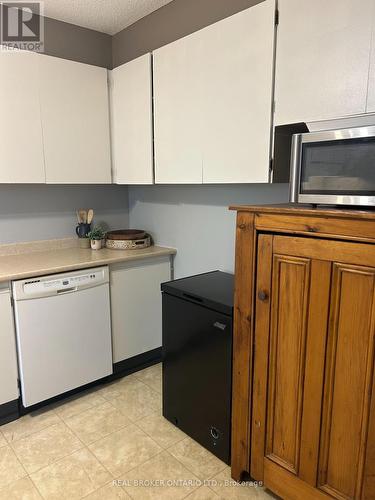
column 196, row 220
column 175, row 20
column 38, row 212
column 77, row 44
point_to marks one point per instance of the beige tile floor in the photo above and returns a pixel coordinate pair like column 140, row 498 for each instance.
column 110, row 443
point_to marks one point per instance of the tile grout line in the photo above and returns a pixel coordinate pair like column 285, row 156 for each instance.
column 32, row 432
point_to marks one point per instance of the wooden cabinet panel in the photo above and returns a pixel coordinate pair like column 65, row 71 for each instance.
column 348, row 381
column 322, row 59
column 313, row 367
column 21, row 141
column 75, row 120
column 131, row 122
column 287, row 359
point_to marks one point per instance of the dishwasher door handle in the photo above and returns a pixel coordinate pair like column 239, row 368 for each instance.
column 66, row 290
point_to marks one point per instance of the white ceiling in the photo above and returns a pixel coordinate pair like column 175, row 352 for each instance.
column 107, row 16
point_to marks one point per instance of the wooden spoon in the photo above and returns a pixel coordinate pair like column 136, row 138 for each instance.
column 90, row 216
column 82, row 215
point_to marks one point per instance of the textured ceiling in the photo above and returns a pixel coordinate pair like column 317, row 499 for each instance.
column 107, row 16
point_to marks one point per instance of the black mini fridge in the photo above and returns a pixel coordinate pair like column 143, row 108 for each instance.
column 197, row 358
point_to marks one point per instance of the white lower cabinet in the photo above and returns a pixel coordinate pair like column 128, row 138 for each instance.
column 136, row 306
column 8, row 356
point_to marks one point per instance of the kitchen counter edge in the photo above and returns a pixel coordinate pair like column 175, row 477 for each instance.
column 33, row 264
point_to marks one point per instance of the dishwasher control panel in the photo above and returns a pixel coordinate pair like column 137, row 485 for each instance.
column 59, row 283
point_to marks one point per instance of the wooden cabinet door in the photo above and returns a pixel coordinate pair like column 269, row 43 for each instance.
column 322, row 59
column 314, row 357
column 75, row 120
column 21, row 141
column 131, row 122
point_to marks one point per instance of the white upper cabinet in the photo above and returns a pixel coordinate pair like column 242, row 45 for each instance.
column 370, row 105
column 75, row 121
column 178, row 111
column 322, row 59
column 237, row 74
column 131, row 122
column 213, row 94
column 21, row 142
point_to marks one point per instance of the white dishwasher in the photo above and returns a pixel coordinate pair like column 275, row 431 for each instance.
column 63, row 329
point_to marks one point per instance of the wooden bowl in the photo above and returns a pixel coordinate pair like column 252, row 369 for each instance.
column 126, row 234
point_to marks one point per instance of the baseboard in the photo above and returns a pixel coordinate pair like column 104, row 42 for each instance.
column 9, row 411
column 136, row 363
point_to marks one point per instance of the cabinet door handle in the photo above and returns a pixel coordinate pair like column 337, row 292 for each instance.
column 262, row 295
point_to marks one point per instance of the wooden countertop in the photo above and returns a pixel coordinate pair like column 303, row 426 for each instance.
column 308, row 210
column 25, row 265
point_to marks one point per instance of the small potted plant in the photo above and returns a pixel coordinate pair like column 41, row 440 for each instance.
column 96, row 235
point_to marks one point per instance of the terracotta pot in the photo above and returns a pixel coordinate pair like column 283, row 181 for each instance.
column 96, row 244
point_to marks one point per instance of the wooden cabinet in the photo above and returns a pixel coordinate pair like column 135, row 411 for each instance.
column 131, row 122
column 310, row 352
column 75, row 121
column 322, row 59
column 136, row 306
column 21, row 141
column 213, row 93
column 8, row 357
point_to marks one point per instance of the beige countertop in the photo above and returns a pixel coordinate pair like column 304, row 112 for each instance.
column 25, row 265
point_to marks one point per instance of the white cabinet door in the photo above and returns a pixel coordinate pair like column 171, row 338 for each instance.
column 75, row 120
column 322, row 59
column 21, row 143
column 213, row 97
column 136, row 306
column 8, row 357
column 178, row 111
column 131, row 122
column 370, row 105
column 237, row 79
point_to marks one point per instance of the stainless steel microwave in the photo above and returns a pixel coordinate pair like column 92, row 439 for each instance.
column 334, row 167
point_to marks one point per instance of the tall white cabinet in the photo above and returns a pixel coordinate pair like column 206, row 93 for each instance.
column 21, row 142
column 322, row 59
column 75, row 120
column 212, row 101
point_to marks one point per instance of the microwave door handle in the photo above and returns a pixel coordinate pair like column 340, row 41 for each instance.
column 295, row 167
